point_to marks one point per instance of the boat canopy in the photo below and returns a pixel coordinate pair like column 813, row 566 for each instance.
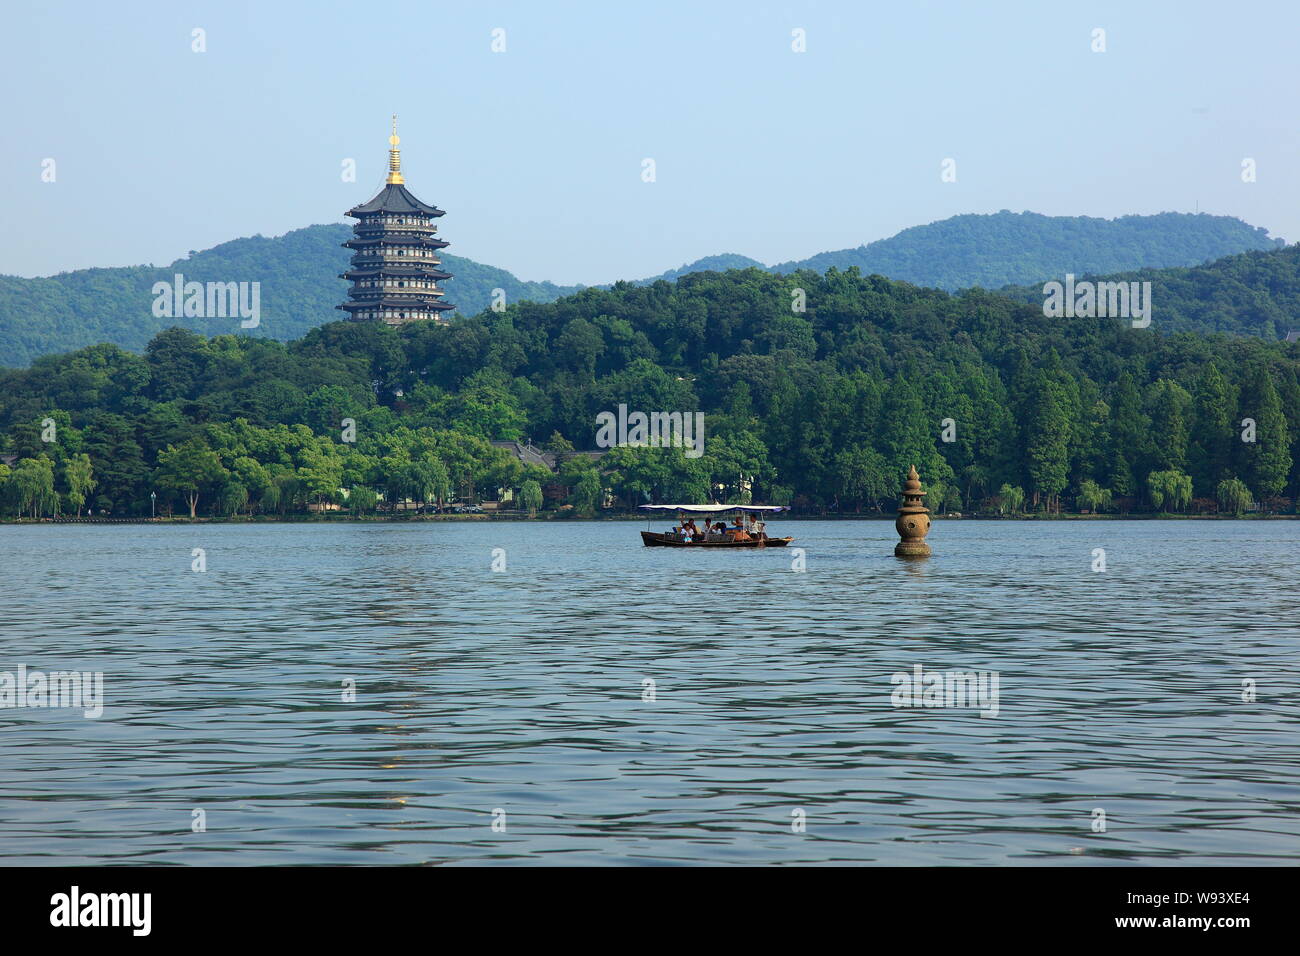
column 716, row 509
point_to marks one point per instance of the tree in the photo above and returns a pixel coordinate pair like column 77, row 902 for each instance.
column 827, row 409
column 394, row 472
column 362, row 499
column 1170, row 410
column 1012, row 498
column 1130, row 431
column 937, row 495
column 908, row 437
column 486, row 407
column 285, row 491
column 1047, row 444
column 33, row 483
column 861, row 476
column 189, row 470
column 579, row 346
column 1170, row 490
column 1266, row 461
column 78, row 475
column 1233, row 495
column 427, row 479
column 1093, row 497
column 1212, row 436
column 530, row 496
column 736, row 463
column 231, row 497
column 587, row 494
column 121, row 475
column 560, row 448
column 977, row 479
column 177, row 360
column 254, row 478
column 322, row 473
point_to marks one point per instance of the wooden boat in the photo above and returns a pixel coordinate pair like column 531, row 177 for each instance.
column 666, row 539
column 755, row 537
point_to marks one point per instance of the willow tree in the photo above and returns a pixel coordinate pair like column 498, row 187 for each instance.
column 79, row 477
column 1233, row 495
column 530, row 496
column 1170, row 490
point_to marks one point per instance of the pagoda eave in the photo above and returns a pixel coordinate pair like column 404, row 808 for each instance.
column 413, row 242
column 432, row 274
column 395, row 306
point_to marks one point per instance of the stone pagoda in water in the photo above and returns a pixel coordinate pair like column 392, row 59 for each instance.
column 395, row 272
column 913, row 522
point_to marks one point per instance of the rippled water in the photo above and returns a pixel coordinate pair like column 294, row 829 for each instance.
column 522, row 691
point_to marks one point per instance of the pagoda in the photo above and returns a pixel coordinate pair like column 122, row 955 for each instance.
column 395, row 262
column 913, row 522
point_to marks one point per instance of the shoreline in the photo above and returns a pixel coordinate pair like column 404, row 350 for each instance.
column 388, row 519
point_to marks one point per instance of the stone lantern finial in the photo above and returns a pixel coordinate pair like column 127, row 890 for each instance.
column 913, row 522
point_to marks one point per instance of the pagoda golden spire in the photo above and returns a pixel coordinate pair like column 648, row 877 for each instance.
column 394, row 157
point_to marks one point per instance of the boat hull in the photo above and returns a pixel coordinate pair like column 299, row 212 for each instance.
column 657, row 539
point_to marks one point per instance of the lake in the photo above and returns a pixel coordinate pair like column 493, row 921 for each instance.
column 507, row 716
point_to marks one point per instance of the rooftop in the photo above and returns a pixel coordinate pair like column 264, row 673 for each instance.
column 394, row 197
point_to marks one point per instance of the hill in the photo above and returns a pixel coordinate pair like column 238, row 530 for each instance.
column 1008, row 248
column 720, row 263
column 1254, row 293
column 299, row 272
column 299, row 280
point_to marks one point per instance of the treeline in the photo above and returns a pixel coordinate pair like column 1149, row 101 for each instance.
column 300, row 286
column 1006, row 248
column 1254, row 293
column 998, row 406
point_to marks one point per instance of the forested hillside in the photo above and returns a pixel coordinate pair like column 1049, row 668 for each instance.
column 825, row 408
column 1254, row 293
column 300, row 287
column 1017, row 248
column 299, row 273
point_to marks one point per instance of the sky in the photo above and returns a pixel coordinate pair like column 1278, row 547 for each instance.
column 538, row 152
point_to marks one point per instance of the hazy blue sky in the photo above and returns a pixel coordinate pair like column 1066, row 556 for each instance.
column 536, row 153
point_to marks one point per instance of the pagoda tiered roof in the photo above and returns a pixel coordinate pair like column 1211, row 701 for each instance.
column 394, row 198
column 397, row 272
column 408, row 304
column 391, row 239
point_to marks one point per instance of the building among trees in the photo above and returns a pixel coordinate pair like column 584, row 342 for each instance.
column 395, row 262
